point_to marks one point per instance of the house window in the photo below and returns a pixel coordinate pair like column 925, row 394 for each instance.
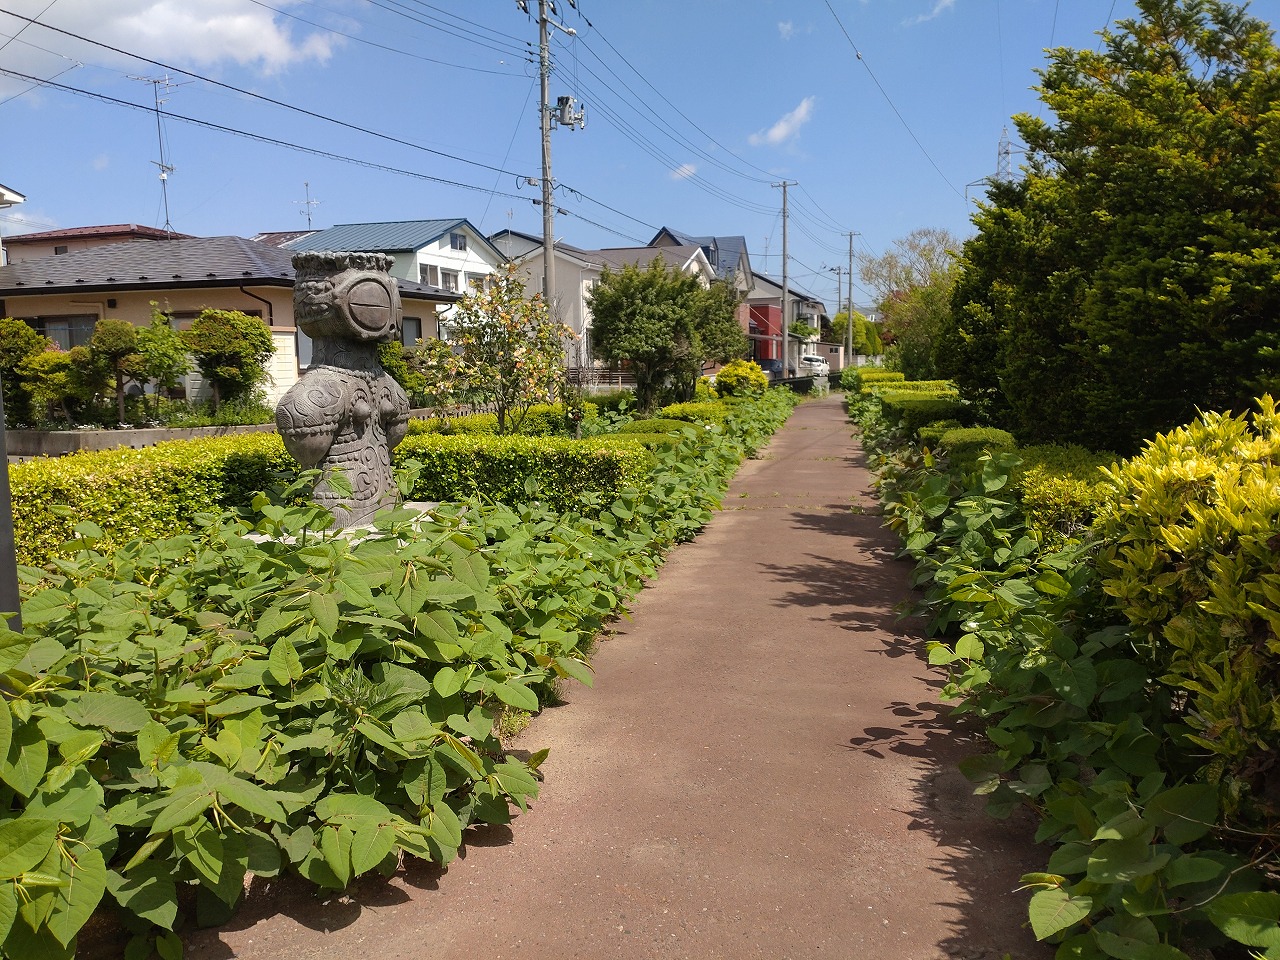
column 429, row 273
column 73, row 330
column 410, row 331
column 458, row 241
column 449, row 280
column 60, row 249
column 477, row 281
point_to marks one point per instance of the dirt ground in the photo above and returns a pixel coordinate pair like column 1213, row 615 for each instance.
column 762, row 770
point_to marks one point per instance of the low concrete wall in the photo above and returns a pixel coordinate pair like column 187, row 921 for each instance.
column 58, row 443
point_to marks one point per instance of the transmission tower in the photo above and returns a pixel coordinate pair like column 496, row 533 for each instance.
column 1004, row 157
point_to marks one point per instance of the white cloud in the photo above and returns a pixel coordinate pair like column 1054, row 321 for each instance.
column 786, row 128
column 684, row 171
column 101, row 162
column 939, row 7
column 786, row 29
column 200, row 35
column 16, row 220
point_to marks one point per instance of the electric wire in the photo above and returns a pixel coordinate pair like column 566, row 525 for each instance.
column 33, row 86
column 510, row 143
column 265, row 99
column 391, row 7
column 892, row 105
column 36, row 19
column 383, row 46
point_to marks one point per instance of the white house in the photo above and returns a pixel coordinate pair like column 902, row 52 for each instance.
column 449, row 254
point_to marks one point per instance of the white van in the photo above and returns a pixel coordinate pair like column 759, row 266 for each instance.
column 812, row 365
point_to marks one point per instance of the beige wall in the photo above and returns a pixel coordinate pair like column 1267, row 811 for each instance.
column 135, row 306
column 17, row 251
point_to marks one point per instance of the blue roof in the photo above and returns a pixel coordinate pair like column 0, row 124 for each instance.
column 384, row 237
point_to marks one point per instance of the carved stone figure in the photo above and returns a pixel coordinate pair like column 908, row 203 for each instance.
column 345, row 414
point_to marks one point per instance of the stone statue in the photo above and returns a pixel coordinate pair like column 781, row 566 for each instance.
column 345, row 414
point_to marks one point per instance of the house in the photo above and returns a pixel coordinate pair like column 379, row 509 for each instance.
column 764, row 306
column 8, row 198
column 578, row 271
column 449, row 254
column 280, row 238
column 51, row 243
column 64, row 296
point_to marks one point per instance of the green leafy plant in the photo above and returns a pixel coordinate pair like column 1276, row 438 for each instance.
column 231, row 350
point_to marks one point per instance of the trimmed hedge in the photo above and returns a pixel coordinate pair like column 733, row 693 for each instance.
column 542, row 420
column 857, row 378
column 496, row 468
column 941, row 388
column 150, row 493
column 966, row 445
column 913, row 410
column 658, row 425
column 708, row 412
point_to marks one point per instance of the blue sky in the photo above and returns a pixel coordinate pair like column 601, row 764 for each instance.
column 693, row 108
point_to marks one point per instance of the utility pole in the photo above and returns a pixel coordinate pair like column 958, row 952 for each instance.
column 849, row 332
column 565, row 116
column 786, row 294
column 838, row 271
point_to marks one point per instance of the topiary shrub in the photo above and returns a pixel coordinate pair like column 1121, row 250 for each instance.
column 741, row 378
column 912, row 410
column 930, row 434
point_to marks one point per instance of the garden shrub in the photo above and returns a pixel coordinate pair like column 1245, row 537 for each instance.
column 614, row 401
column 931, row 433
column 659, row 425
column 741, row 378
column 966, row 445
column 541, row 420
column 150, row 493
column 913, row 410
column 1061, row 489
column 858, row 378
column 1191, row 558
column 498, row 468
column 941, row 388
column 706, row 412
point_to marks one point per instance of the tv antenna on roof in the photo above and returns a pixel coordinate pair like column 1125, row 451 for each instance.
column 308, row 203
column 163, row 163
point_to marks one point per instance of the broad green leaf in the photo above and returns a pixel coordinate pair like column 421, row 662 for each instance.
column 1187, row 869
column 1186, row 812
column 969, row 647
column 448, row 681
column 516, row 695
column 370, row 845
column 24, row 842
column 75, row 902
column 1249, row 918
column 577, row 669
column 201, row 846
column 324, row 609
column 1119, row 861
column 335, row 846
column 349, row 807
column 77, row 800
column 1052, row 911
column 108, row 711
column 251, row 797
column 473, row 571
column 149, row 891
column 185, row 805
column 1127, row 948
column 1076, row 681
column 28, row 944
column 284, row 662
column 240, row 703
column 6, row 732
column 444, row 826
column 8, row 908
column 425, row 781
column 28, row 760
column 446, row 592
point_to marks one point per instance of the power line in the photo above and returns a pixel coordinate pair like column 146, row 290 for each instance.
column 381, row 46
column 892, row 105
column 27, row 24
column 391, row 5
column 265, row 99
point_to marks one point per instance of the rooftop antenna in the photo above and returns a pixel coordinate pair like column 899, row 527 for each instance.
column 308, row 203
column 163, row 163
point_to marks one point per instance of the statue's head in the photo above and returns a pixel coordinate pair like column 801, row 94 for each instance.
column 346, row 295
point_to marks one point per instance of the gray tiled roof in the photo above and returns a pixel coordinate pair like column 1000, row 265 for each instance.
column 618, row 257
column 378, row 237
column 167, row 264
column 723, row 253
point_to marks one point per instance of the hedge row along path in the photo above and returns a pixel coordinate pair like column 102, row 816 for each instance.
column 763, row 769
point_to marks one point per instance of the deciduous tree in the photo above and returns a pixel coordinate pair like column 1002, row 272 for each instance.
column 666, row 324
column 231, row 349
column 511, row 352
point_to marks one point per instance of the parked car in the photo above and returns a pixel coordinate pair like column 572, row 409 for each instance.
column 812, row 365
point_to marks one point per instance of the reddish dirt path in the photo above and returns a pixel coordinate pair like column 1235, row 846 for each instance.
column 763, row 770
